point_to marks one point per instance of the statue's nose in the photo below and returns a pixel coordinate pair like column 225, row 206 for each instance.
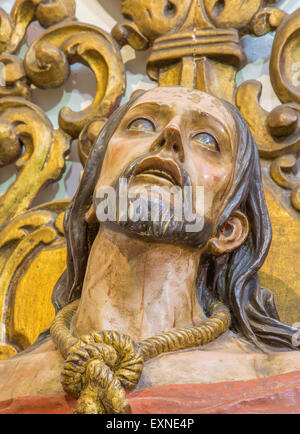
column 170, row 141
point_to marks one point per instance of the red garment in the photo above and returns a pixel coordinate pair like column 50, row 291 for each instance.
column 278, row 394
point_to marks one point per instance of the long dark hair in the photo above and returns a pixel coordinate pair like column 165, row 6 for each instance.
column 231, row 278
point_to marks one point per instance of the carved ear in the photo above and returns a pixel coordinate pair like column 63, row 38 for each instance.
column 232, row 235
column 90, row 216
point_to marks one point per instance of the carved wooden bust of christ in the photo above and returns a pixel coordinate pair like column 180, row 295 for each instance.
column 146, row 303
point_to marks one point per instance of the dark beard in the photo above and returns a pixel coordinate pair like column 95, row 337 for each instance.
column 167, row 228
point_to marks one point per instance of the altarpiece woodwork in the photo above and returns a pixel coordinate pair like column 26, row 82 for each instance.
column 196, row 52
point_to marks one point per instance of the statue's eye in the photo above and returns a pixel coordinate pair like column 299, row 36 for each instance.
column 206, row 140
column 141, row 124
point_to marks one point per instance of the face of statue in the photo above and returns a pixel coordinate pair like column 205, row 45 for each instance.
column 172, row 136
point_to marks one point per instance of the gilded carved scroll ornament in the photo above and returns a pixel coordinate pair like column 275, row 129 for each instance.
column 47, row 64
column 28, row 140
column 14, row 26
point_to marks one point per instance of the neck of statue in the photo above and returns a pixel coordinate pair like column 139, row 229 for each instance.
column 137, row 287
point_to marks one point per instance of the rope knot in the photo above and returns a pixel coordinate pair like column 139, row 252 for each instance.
column 100, row 366
column 98, row 369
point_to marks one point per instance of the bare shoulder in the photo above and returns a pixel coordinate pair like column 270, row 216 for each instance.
column 228, row 360
column 34, row 373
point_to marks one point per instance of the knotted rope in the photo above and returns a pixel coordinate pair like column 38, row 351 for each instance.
column 99, row 367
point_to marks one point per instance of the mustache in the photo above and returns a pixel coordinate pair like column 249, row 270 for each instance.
column 173, row 229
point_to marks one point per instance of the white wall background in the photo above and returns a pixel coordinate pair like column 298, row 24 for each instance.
column 80, row 89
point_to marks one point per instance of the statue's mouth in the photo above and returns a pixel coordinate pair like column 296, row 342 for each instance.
column 160, row 168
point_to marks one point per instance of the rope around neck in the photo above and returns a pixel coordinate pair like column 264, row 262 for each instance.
column 99, row 367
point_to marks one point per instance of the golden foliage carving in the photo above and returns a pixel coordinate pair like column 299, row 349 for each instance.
column 277, row 136
column 13, row 27
column 22, row 122
column 13, row 80
column 265, row 20
column 195, row 43
column 265, row 126
column 47, row 66
column 277, row 133
column 285, row 59
column 88, row 136
column 32, row 245
column 30, row 240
